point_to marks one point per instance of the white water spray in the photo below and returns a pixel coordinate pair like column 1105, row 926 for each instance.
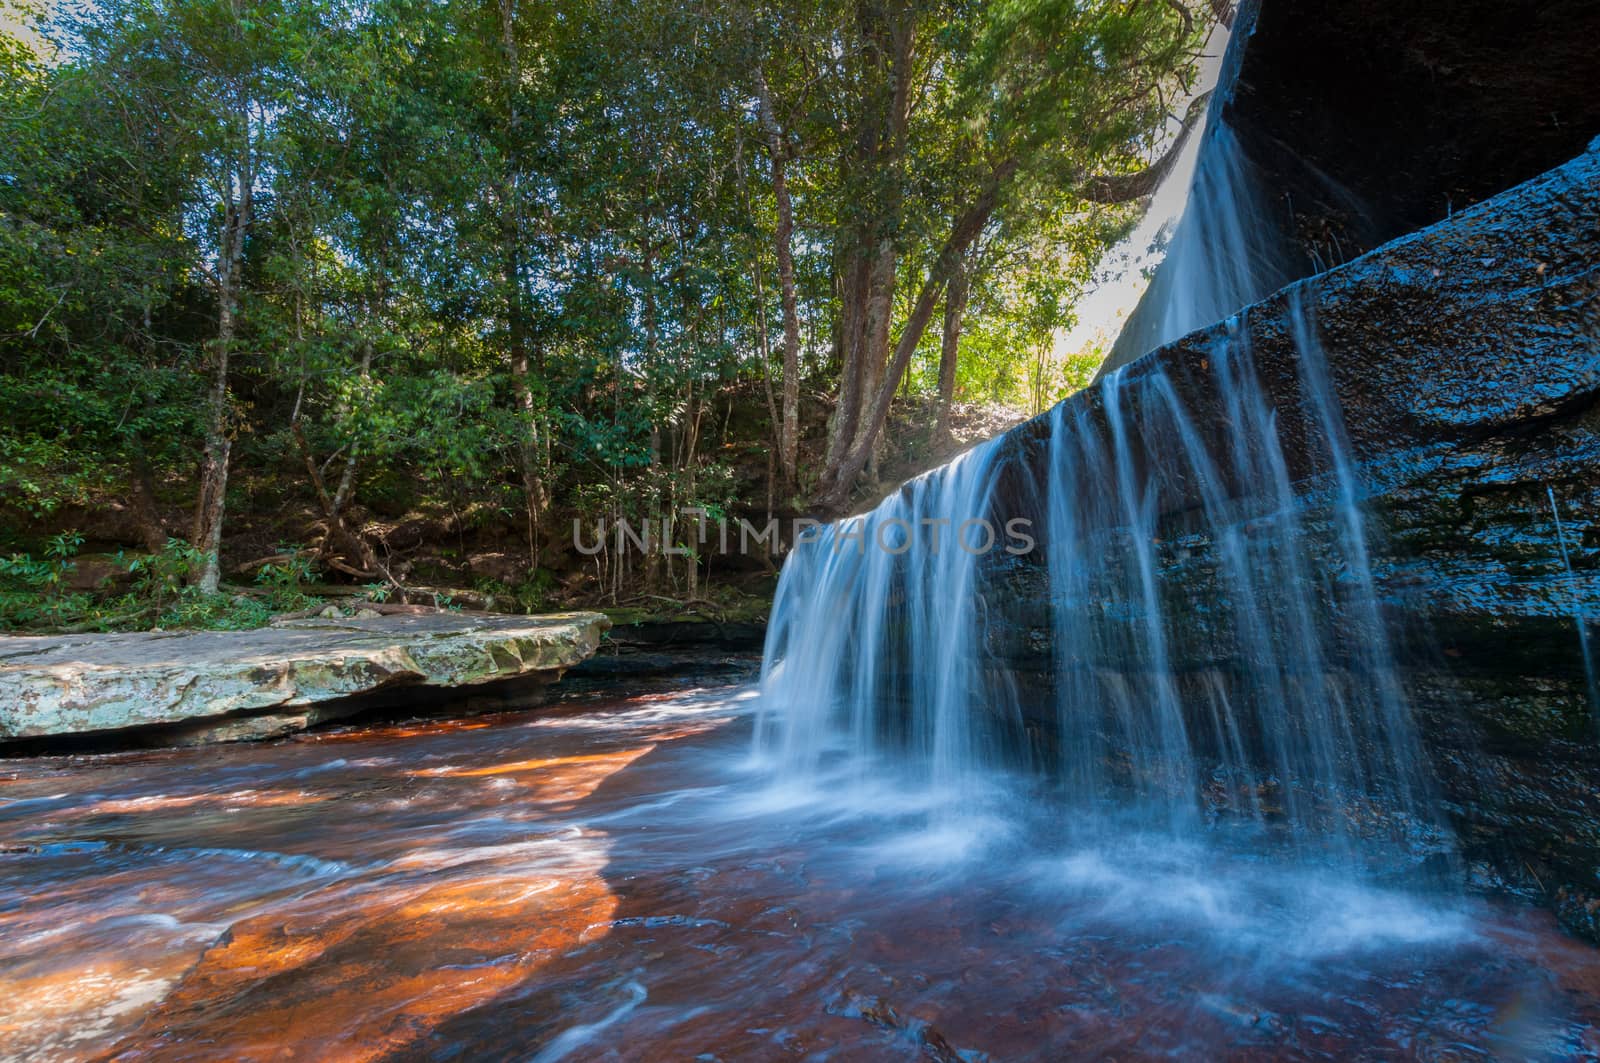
column 1215, row 634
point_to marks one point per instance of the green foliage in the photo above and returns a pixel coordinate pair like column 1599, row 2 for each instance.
column 529, row 595
column 35, row 592
column 161, row 579
column 221, row 612
column 507, row 271
column 284, row 580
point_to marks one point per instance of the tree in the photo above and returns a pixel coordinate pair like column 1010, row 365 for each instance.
column 783, row 249
column 494, row 265
column 1049, row 94
column 228, row 64
column 98, row 314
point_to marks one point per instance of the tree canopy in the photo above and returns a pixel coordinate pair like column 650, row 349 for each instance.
column 514, row 264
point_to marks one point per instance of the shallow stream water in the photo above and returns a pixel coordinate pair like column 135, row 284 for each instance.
column 618, row 878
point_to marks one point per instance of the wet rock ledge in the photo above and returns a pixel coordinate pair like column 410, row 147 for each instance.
column 217, row 686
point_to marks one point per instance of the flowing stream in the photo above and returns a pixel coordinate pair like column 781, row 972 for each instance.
column 617, row 878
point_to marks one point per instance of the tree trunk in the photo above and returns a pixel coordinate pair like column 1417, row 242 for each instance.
column 955, row 308
column 870, row 240
column 834, row 493
column 210, row 509
column 695, row 408
column 849, row 343
column 844, row 466
column 879, row 318
column 347, row 476
column 900, row 36
column 783, row 241
column 652, row 342
column 766, row 373
column 1121, row 188
column 237, row 217
column 377, row 300
column 533, row 487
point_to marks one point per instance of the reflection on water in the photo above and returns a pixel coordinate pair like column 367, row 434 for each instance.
column 618, row 880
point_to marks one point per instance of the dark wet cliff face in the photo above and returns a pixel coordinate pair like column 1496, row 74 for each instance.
column 1411, row 108
column 1364, row 120
column 1466, row 362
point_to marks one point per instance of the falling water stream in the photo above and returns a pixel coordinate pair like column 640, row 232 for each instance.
column 1224, row 253
column 1227, row 660
column 1579, row 621
column 1228, row 246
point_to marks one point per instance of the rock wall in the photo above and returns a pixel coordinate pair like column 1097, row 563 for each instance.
column 1367, row 119
column 1466, row 358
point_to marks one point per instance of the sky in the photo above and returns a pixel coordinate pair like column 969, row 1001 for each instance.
column 16, row 22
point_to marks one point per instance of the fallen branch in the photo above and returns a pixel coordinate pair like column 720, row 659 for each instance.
column 270, row 559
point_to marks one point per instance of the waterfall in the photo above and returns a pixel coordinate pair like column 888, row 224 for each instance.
column 1230, row 244
column 1226, row 251
column 1216, row 650
column 877, row 633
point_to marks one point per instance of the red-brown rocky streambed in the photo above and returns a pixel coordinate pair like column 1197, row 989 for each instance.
column 617, row 879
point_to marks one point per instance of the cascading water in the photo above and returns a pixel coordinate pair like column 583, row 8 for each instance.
column 1225, row 249
column 1225, row 252
column 1218, row 647
column 877, row 633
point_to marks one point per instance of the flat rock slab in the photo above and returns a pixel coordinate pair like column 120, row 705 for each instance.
column 288, row 673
